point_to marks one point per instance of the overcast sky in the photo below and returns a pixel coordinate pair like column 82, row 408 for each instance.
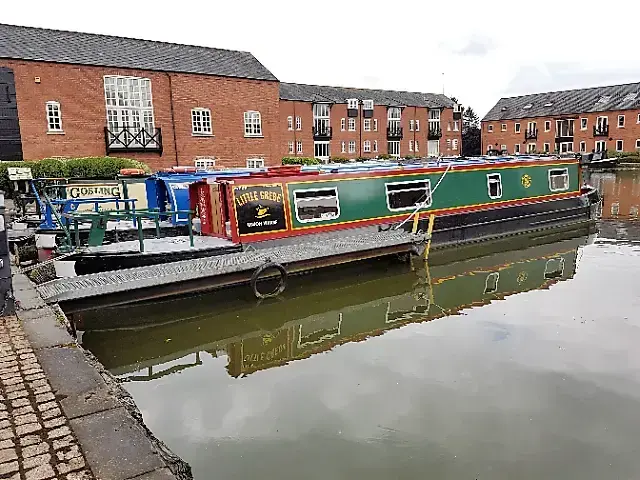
column 480, row 51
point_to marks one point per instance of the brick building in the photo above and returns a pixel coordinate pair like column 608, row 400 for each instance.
column 70, row 94
column 584, row 120
column 350, row 123
column 76, row 94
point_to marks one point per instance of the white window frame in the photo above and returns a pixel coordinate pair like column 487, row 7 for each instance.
column 343, row 147
column 602, row 121
column 298, row 123
column 343, row 124
column 583, row 146
column 454, row 144
column 516, row 148
column 205, row 163
column 503, row 147
column 417, row 125
column 366, row 146
column 352, row 124
column 448, row 144
column 547, row 125
column 366, row 124
column 568, row 145
column 637, row 143
column 326, row 144
column 433, row 152
column 375, row 146
column 489, row 128
column 416, row 148
column 621, row 117
column 289, row 123
column 298, row 146
column 546, row 267
column 291, row 148
column 411, row 125
column 564, row 172
column 352, row 146
column 503, row 127
column 546, row 147
column 53, row 113
column 583, row 123
column 352, row 103
column 255, row 162
column 638, row 120
column 531, row 148
column 448, row 126
column 411, row 207
column 491, row 178
column 312, row 220
column 252, row 123
column 375, row 124
column 456, row 126
column 394, row 142
column 621, row 143
column 199, row 122
column 491, row 275
column 411, row 145
column 602, row 144
column 367, row 104
column 516, row 127
column 129, row 104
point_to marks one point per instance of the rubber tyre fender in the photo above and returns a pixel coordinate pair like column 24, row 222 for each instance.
column 281, row 286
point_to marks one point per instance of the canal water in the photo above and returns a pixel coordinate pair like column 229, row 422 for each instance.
column 522, row 363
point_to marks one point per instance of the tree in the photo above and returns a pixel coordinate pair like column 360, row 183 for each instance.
column 471, row 141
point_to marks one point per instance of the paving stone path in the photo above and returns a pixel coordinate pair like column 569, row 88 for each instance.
column 36, row 442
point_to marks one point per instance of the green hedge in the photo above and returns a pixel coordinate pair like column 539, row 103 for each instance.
column 95, row 168
column 300, row 161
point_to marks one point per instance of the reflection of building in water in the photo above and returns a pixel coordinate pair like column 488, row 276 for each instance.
column 621, row 193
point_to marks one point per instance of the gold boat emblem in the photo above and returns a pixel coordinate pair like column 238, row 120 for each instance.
column 526, row 180
column 262, row 212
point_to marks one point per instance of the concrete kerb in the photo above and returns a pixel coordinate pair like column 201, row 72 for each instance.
column 103, row 416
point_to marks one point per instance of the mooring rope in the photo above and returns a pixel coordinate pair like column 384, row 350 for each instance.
column 429, row 196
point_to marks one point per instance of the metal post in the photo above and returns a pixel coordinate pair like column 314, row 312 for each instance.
column 156, row 219
column 77, row 232
column 140, row 235
column 189, row 216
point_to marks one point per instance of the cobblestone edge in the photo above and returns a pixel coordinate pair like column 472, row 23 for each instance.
column 54, row 333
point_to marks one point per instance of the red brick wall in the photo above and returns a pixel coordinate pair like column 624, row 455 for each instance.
column 628, row 134
column 80, row 91
column 339, row 111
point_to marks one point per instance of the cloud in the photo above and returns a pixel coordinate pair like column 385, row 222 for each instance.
column 471, row 46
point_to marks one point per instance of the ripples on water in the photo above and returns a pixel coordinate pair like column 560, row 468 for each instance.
column 520, row 364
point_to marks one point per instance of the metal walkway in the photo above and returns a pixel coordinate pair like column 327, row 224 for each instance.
column 105, row 283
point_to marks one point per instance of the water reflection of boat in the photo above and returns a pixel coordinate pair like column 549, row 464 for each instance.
column 335, row 312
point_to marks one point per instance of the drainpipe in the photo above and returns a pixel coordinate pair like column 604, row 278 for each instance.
column 173, row 118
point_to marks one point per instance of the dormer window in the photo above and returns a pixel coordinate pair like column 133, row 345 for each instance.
column 352, row 107
column 367, row 104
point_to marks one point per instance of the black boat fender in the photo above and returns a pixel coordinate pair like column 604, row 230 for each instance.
column 282, row 284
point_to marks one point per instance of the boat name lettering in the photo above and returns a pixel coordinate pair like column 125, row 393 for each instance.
column 256, row 196
column 85, row 191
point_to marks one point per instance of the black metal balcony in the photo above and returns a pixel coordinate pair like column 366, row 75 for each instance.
column 129, row 139
column 322, row 132
column 531, row 134
column 394, row 133
column 601, row 130
column 435, row 134
column 560, row 138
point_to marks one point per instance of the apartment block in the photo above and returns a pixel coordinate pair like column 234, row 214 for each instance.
column 584, row 120
column 336, row 122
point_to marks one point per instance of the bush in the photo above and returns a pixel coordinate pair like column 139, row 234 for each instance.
column 300, row 161
column 94, row 168
column 339, row 159
column 384, row 156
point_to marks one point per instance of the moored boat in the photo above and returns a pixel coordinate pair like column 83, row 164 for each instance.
column 467, row 200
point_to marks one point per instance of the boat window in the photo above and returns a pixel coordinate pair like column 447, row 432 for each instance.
column 316, row 205
column 491, row 283
column 408, row 195
column 494, row 185
column 558, row 179
column 554, row 268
